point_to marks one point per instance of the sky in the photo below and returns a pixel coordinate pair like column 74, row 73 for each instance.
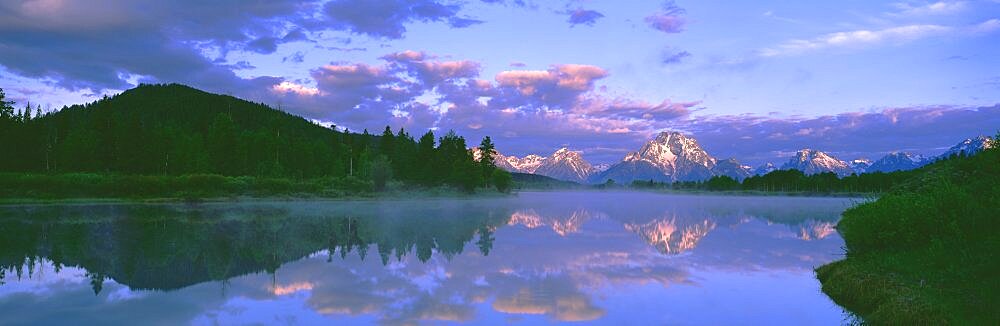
column 751, row 80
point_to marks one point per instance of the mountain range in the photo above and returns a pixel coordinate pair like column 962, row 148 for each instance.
column 563, row 164
column 672, row 156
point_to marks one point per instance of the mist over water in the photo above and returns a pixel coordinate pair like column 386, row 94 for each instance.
column 539, row 257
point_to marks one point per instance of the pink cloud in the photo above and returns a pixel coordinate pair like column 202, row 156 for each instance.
column 429, row 71
column 526, row 81
column 352, row 75
column 627, row 108
column 579, row 77
column 558, row 87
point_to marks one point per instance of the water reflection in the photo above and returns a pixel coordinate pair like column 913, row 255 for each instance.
column 541, row 257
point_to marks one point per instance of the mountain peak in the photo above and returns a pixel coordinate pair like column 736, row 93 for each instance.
column 896, row 161
column 670, row 156
column 566, row 164
column 811, row 161
column 969, row 146
column 860, row 165
column 664, row 150
column 765, row 169
column 564, row 154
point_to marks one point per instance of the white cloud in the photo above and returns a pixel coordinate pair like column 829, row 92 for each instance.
column 867, row 38
column 936, row 8
column 987, row 26
column 858, row 38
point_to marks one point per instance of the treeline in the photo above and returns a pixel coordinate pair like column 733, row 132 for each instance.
column 174, row 130
column 791, row 181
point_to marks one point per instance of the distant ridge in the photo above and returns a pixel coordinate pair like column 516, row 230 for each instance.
column 672, row 156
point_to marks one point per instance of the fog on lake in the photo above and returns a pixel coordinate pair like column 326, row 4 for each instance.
column 538, row 257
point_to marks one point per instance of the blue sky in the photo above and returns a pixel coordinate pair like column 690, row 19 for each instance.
column 753, row 80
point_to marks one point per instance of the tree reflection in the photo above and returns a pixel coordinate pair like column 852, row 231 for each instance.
column 169, row 247
column 486, row 239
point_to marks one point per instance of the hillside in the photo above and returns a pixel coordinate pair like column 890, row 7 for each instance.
column 536, row 181
column 174, row 130
column 925, row 252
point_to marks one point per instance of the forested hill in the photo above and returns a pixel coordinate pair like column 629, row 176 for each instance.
column 175, row 129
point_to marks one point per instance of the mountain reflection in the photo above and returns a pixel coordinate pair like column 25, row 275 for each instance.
column 670, row 238
column 562, row 225
column 540, row 257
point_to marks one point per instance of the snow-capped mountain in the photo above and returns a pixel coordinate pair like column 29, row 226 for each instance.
column 527, row 164
column 765, row 169
column 968, row 147
column 564, row 164
column 897, row 161
column 811, row 161
column 732, row 168
column 670, row 156
column 860, row 165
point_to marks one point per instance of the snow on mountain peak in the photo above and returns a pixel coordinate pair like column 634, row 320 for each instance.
column 969, row 146
column 668, row 157
column 566, row 154
column 671, row 156
column 811, row 161
column 765, row 169
column 665, row 150
column 860, row 165
column 564, row 164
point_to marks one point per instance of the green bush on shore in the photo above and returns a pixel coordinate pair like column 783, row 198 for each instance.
column 926, row 251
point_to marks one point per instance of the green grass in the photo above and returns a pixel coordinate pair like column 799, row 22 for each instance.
column 926, row 252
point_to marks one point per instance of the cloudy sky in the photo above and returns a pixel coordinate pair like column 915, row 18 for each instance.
column 752, row 80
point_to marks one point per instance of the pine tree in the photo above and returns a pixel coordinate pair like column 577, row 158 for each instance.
column 426, row 154
column 486, row 164
column 26, row 114
column 386, row 142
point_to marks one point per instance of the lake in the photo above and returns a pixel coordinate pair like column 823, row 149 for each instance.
column 540, row 257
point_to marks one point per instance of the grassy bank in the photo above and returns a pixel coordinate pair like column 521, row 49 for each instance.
column 925, row 252
column 18, row 188
column 756, row 193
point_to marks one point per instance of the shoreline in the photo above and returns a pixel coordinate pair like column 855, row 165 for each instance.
column 747, row 193
column 406, row 195
column 419, row 194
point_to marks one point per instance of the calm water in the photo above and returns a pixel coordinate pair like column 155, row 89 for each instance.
column 611, row 258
